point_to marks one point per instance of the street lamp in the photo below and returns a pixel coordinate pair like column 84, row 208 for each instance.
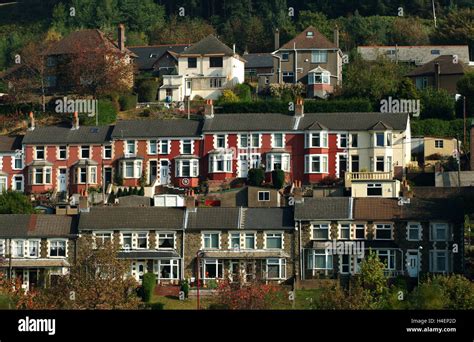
column 420, row 248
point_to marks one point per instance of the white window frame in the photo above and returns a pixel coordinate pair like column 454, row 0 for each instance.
column 274, row 140
column 323, row 139
column 391, row 257
column 226, row 159
column 319, row 56
column 50, row 247
column 130, row 148
column 39, row 149
column 182, row 143
column 206, row 235
column 340, row 138
column 380, row 226
column 63, row 148
column 324, row 76
column 18, row 156
column 434, row 231
column 261, row 196
column 15, row 247
column 193, row 168
column 3, row 183
column 328, row 259
column 323, row 162
column 375, row 186
column 414, row 226
column 142, row 235
column 165, row 235
column 172, row 263
column 285, row 161
column 84, row 148
column 150, row 144
column 357, row 226
column 219, row 267
column 45, row 173
column 273, row 235
column 320, row 226
column 14, row 183
column 38, row 249
column 281, row 263
column 347, row 226
column 439, row 143
column 107, row 148
column 161, row 146
column 137, row 169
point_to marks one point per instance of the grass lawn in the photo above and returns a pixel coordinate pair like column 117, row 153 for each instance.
column 303, row 301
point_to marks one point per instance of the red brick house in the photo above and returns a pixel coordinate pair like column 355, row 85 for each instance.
column 11, row 163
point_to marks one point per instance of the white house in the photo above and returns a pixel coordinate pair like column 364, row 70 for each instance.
column 204, row 69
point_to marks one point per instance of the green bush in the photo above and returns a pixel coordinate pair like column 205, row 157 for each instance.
column 437, row 127
column 147, row 90
column 185, row 288
column 119, row 193
column 278, row 178
column 156, row 306
column 128, row 102
column 141, row 192
column 243, row 92
column 13, row 202
column 256, row 177
column 437, row 104
column 149, row 283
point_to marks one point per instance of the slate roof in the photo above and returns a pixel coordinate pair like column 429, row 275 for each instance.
column 134, row 218
column 208, row 46
column 148, row 55
column 268, row 218
column 134, row 201
column 157, row 128
column 324, row 208
column 10, row 144
column 318, row 41
column 373, row 209
column 214, row 218
column 446, row 67
column 249, row 121
column 37, row 225
column 66, row 135
column 258, row 60
column 84, row 40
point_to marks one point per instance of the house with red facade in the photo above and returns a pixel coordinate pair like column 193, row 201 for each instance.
column 11, row 163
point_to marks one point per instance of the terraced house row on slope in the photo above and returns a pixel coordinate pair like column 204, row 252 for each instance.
column 362, row 148
column 276, row 244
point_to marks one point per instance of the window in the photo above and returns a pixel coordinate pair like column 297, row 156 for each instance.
column 131, row 169
column 354, row 163
column 243, row 141
column 211, row 240
column 165, row 240
column 374, row 189
column 316, row 164
column 278, row 161
column 62, row 152
column 439, row 143
column 152, row 147
column 85, row 152
column 439, row 261
column 220, row 163
column 263, row 196
column 345, row 263
column 379, row 164
column 42, row 176
column 316, row 139
column 360, row 231
column 249, row 241
column 274, row 240
column 220, row 141
column 288, row 77
column 235, row 240
column 50, row 81
column 439, row 232
column 142, row 240
column 278, row 140
column 2, row 247
column 309, row 34
column 344, row 231
column 379, row 139
column 276, row 268
column 387, row 256
column 18, row 248
column 17, row 183
column 164, row 146
column 215, row 82
column 414, row 232
column 215, row 62
column 285, row 56
column 391, row 52
column 18, row 161
column 319, row 77
column 255, row 140
column 389, row 139
column 51, row 61
column 343, row 140
column 130, row 147
column 82, row 175
column 186, row 146
column 383, row 231
column 319, row 56
column 57, row 248
column 435, row 52
column 320, row 231
column 167, row 269
column 39, row 153
column 421, row 82
column 187, row 168
column 320, row 259
column 212, row 269
column 3, row 184
column 102, row 238
column 192, row 62
column 127, row 241
column 354, row 140
column 108, row 152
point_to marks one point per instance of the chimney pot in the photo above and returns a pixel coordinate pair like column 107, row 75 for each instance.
column 299, row 107
column 336, row 36
column 32, row 121
column 209, row 108
column 121, row 37
column 75, row 121
column 277, row 39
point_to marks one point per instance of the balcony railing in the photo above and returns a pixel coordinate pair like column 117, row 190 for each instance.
column 366, row 176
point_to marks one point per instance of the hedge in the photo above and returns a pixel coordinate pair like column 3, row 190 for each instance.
column 437, row 128
column 149, row 283
column 128, row 101
column 256, row 177
column 278, row 178
column 147, row 90
column 310, row 106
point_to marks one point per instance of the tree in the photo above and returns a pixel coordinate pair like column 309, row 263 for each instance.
column 278, row 178
column 228, row 96
column 408, row 31
column 97, row 280
column 181, row 31
column 437, row 104
column 465, row 87
column 256, row 176
column 13, row 202
column 372, row 277
column 149, row 283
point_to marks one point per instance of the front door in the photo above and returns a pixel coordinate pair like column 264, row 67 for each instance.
column 412, row 267
column 62, row 180
column 342, row 165
column 164, row 172
column 153, row 174
column 138, row 270
column 243, row 165
column 107, row 176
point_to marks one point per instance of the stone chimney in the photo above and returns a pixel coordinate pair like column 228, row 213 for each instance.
column 277, row 39
column 437, row 71
column 190, row 201
column 121, row 37
column 336, row 36
column 32, row 122
column 75, row 121
column 209, row 109
column 299, row 107
column 297, row 192
column 472, row 146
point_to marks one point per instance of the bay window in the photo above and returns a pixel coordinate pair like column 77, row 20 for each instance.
column 86, row 174
column 212, row 269
column 166, row 269
column 278, row 161
column 387, row 257
column 187, row 167
column 276, row 268
column 220, row 163
column 316, row 163
column 131, row 168
column 41, row 175
column 320, row 259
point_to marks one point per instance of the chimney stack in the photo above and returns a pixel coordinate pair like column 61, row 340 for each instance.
column 32, row 122
column 190, row 201
column 75, row 121
column 336, row 36
column 437, row 71
column 297, row 192
column 299, row 107
column 277, row 39
column 121, row 37
column 209, row 109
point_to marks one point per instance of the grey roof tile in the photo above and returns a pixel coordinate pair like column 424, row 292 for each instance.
column 268, row 218
column 66, row 135
column 209, row 45
column 10, row 144
column 214, row 218
column 36, row 225
column 157, row 128
column 324, row 208
column 148, row 55
column 244, row 122
column 258, row 60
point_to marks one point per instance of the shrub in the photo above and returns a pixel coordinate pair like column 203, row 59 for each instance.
column 128, row 101
column 119, row 193
column 141, row 192
column 228, row 96
column 437, row 104
column 243, row 92
column 147, row 90
column 149, row 283
column 256, row 176
column 211, row 284
column 185, row 288
column 156, row 306
column 459, row 290
column 329, row 180
column 13, row 202
column 278, row 178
